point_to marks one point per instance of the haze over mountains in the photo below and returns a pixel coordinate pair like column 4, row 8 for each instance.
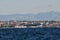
column 39, row 16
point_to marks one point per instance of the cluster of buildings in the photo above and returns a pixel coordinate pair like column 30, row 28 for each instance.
column 28, row 24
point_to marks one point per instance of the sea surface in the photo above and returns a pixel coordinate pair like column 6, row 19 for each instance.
column 29, row 33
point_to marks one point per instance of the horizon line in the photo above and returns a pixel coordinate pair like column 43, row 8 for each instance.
column 26, row 13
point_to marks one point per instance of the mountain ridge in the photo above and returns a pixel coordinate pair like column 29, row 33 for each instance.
column 39, row 16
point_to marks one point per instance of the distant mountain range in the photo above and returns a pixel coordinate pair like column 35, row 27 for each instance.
column 38, row 16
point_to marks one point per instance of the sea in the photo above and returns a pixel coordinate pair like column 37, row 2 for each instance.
column 30, row 33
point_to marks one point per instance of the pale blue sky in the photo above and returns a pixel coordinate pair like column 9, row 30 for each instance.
column 28, row 6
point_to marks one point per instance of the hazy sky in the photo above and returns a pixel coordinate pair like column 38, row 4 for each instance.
column 28, row 6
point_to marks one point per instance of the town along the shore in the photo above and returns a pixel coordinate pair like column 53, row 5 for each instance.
column 28, row 24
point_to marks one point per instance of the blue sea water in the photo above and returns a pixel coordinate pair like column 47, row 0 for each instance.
column 29, row 33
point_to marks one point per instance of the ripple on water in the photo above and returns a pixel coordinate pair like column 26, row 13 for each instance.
column 30, row 34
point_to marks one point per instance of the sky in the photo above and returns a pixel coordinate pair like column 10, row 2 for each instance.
column 28, row 6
